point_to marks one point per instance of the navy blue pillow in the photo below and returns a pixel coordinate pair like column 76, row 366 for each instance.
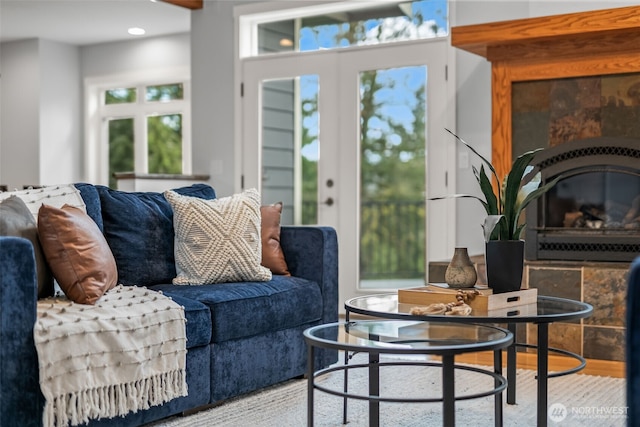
column 139, row 230
column 91, row 199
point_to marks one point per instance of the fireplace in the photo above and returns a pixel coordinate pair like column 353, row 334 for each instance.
column 593, row 212
column 540, row 51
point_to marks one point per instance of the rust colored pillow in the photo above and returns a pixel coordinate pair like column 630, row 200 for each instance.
column 77, row 253
column 272, row 255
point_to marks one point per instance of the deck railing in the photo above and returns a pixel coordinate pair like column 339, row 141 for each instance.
column 392, row 238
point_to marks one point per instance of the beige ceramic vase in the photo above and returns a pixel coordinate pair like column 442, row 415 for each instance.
column 460, row 272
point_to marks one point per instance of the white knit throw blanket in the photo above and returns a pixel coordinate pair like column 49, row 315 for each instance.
column 126, row 353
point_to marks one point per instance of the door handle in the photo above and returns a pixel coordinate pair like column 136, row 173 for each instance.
column 328, row 202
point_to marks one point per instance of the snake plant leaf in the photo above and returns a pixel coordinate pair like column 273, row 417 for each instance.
column 512, row 188
column 489, row 225
column 505, row 206
column 487, row 189
column 534, row 195
column 461, row 196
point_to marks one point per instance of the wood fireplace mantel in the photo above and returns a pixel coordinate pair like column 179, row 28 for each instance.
column 571, row 45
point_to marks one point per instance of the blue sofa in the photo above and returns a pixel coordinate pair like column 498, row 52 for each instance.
column 241, row 336
column 633, row 345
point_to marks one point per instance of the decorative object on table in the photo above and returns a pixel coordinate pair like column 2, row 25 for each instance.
column 457, row 308
column 460, row 272
column 483, row 300
column 505, row 264
column 450, row 309
column 504, row 205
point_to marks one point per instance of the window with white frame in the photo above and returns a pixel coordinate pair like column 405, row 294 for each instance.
column 342, row 25
column 142, row 128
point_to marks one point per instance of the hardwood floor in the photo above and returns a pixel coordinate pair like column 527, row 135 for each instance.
column 604, row 368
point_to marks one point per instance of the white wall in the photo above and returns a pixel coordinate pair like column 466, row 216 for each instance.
column 473, row 113
column 213, row 81
column 60, row 114
column 19, row 113
column 151, row 53
column 40, row 113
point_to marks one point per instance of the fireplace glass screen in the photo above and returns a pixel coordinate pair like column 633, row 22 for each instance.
column 595, row 200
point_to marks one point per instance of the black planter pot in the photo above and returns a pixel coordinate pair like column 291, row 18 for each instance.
column 505, row 262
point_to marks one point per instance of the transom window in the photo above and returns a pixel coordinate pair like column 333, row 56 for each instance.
column 367, row 23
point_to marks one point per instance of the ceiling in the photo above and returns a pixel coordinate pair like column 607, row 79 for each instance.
column 84, row 22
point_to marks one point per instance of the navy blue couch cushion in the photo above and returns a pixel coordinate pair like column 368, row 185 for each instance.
column 198, row 318
column 245, row 309
column 139, row 229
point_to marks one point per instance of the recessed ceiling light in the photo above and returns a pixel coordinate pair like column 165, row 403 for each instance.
column 135, row 31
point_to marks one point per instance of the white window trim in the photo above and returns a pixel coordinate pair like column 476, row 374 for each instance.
column 96, row 155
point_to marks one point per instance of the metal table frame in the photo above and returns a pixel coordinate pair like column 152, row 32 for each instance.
column 511, row 318
column 447, row 352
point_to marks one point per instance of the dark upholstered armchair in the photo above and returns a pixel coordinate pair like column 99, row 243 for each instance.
column 633, row 345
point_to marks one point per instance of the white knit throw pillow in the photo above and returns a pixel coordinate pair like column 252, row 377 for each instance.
column 218, row 240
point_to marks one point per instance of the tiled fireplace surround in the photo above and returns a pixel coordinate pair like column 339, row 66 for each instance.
column 576, row 109
column 601, row 284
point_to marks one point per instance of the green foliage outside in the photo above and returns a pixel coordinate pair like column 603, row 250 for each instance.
column 120, row 148
column 120, row 96
column 165, row 144
column 165, row 92
column 392, row 180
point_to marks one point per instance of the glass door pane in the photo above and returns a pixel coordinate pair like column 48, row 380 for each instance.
column 290, row 147
column 392, row 177
column 164, row 145
column 121, row 148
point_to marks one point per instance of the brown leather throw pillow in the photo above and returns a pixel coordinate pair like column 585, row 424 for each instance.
column 77, row 252
column 272, row 255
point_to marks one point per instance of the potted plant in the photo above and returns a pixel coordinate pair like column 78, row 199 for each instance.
column 504, row 204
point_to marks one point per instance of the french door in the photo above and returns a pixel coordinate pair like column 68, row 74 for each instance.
column 347, row 138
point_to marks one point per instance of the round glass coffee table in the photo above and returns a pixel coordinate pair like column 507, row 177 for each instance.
column 406, row 337
column 545, row 311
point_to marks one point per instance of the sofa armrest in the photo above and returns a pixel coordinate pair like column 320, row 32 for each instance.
column 633, row 344
column 20, row 396
column 311, row 253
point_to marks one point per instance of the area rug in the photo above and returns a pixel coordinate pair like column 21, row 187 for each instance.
column 574, row 401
